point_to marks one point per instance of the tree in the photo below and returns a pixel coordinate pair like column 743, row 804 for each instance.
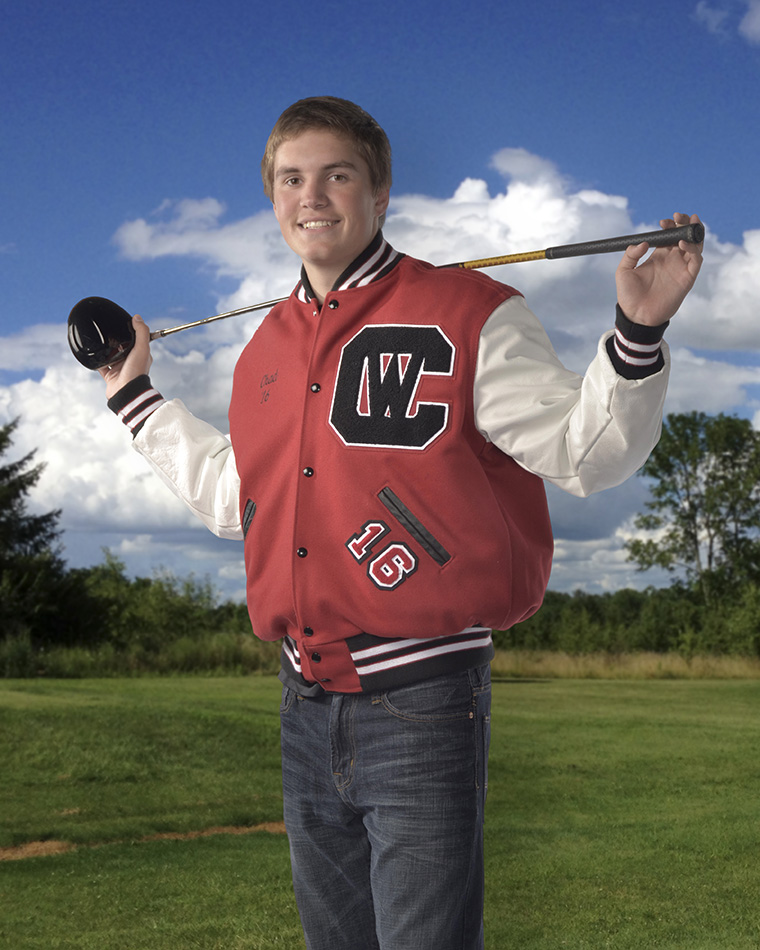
column 704, row 511
column 30, row 565
column 21, row 534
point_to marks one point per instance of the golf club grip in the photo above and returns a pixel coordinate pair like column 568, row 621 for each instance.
column 691, row 233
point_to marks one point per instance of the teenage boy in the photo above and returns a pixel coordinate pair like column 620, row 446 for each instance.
column 389, row 491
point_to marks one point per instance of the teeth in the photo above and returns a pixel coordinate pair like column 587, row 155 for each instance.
column 317, row 224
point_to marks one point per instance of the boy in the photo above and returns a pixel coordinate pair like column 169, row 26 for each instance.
column 389, row 493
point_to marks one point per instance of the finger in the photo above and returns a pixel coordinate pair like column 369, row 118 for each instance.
column 692, row 248
column 633, row 254
column 694, row 219
column 140, row 353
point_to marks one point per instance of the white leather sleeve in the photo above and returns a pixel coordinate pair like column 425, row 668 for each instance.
column 197, row 463
column 583, row 433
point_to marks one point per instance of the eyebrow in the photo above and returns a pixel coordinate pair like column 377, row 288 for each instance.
column 293, row 170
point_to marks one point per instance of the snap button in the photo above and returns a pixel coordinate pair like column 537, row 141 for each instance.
column 308, row 632
column 302, row 552
column 333, row 305
column 316, row 658
column 308, row 471
column 315, row 387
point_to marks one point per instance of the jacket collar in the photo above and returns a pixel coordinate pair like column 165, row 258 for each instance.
column 375, row 261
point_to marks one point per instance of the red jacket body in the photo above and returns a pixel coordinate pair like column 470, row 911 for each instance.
column 371, row 505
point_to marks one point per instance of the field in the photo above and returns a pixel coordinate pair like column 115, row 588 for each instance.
column 143, row 814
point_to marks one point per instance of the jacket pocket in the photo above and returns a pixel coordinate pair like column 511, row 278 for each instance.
column 408, row 520
column 248, row 512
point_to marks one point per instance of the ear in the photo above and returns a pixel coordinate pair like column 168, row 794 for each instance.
column 382, row 199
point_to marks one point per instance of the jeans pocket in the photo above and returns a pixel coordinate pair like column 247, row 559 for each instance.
column 287, row 699
column 441, row 699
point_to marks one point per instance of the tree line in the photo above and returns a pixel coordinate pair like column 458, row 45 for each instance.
column 53, row 618
column 702, row 524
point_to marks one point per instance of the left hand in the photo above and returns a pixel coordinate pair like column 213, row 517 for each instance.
column 651, row 294
column 137, row 362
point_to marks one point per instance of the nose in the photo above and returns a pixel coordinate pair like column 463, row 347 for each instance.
column 313, row 195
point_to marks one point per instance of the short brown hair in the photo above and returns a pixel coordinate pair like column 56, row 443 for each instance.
column 341, row 117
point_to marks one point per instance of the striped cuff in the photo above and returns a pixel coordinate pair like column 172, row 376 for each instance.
column 134, row 402
column 635, row 350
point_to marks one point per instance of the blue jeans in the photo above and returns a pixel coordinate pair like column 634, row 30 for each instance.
column 383, row 797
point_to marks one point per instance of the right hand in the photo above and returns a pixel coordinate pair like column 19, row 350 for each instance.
column 137, row 363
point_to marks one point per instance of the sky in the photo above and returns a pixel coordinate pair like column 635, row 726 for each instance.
column 130, row 143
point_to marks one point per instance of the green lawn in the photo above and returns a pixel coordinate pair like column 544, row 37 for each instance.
column 620, row 815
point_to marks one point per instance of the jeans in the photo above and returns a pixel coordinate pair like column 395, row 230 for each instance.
column 383, row 798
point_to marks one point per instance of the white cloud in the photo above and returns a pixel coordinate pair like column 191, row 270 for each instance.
column 720, row 20
column 107, row 494
column 749, row 27
column 709, row 384
column 712, row 18
column 599, row 567
column 193, row 228
column 33, row 348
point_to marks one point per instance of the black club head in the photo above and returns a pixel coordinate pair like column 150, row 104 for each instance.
column 100, row 332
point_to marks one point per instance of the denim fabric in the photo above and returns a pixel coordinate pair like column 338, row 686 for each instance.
column 384, row 796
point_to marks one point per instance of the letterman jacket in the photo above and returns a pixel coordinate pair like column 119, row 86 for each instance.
column 386, row 463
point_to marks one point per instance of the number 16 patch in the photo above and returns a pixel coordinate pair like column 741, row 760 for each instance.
column 392, row 565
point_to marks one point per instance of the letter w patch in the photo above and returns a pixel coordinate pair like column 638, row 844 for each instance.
column 375, row 399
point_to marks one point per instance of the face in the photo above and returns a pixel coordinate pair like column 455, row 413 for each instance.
column 325, row 204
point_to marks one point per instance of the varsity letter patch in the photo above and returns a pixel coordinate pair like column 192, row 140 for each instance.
column 375, row 399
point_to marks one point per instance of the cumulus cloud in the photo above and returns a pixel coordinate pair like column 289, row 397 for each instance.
column 712, row 18
column 721, row 21
column 750, row 23
column 194, row 228
column 109, row 497
column 34, row 348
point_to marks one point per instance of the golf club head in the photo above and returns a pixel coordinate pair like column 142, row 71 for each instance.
column 100, row 332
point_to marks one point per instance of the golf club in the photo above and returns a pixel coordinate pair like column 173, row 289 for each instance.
column 100, row 332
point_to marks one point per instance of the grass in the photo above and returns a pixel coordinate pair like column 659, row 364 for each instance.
column 98, row 760
column 621, row 814
column 225, row 892
column 624, row 815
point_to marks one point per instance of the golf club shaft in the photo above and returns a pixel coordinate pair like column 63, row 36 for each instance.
column 156, row 334
column 691, row 233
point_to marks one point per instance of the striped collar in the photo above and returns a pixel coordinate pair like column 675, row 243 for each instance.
column 375, row 261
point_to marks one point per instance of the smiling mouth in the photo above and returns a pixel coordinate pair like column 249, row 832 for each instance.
column 314, row 225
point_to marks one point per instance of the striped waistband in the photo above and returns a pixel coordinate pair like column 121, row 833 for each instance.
column 382, row 663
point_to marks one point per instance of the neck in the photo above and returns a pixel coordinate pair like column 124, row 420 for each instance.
column 324, row 279
column 321, row 284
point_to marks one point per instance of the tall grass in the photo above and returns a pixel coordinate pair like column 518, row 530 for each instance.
column 540, row 664
column 218, row 653
column 242, row 654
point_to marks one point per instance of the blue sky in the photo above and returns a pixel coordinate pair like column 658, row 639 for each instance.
column 131, row 137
